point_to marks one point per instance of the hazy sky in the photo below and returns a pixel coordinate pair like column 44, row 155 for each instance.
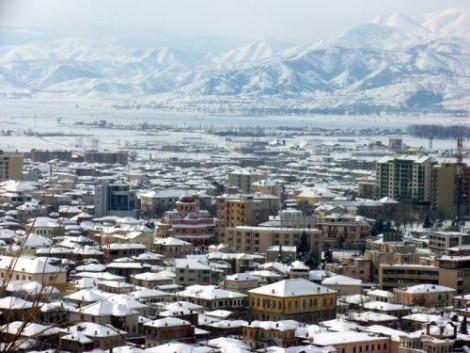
column 281, row 19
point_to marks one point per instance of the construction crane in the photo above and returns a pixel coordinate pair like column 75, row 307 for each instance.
column 459, row 176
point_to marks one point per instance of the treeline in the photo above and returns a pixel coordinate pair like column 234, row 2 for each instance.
column 439, row 131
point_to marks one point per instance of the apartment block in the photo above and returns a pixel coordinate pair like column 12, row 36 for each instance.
column 11, row 166
column 405, row 177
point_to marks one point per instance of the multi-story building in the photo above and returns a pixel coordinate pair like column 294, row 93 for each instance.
column 260, row 239
column 268, row 186
column 401, row 275
column 115, row 199
column 425, row 295
column 405, row 177
column 440, row 241
column 355, row 267
column 245, row 209
column 190, row 272
column 11, row 166
column 451, row 185
column 261, row 334
column 293, row 299
column 454, row 271
column 244, row 178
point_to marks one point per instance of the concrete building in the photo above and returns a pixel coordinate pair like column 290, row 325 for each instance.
column 400, row 275
column 115, row 199
column 268, row 186
column 293, row 299
column 405, row 177
column 445, row 190
column 260, row 239
column 236, row 209
column 430, row 295
column 454, row 272
column 244, row 178
column 11, row 166
column 440, row 241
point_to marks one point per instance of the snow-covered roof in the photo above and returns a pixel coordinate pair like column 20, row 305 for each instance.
column 292, row 287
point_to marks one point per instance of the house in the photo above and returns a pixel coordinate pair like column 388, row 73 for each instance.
column 172, row 247
column 191, row 271
column 241, row 282
column 168, row 329
column 262, row 334
column 213, row 298
column 89, row 334
column 344, row 285
column 297, row 299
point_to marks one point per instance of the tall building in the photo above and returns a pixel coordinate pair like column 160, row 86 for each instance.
column 115, row 199
column 245, row 209
column 11, row 166
column 405, row 177
column 451, row 188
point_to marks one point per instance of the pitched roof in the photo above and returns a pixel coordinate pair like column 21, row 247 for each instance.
column 292, row 288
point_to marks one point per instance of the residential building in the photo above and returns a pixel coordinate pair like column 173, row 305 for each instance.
column 446, row 191
column 262, row 334
column 115, row 199
column 294, row 299
column 212, row 298
column 353, row 342
column 244, row 178
column 268, row 186
column 405, row 177
column 190, row 272
column 259, row 239
column 241, row 282
column 400, row 275
column 168, row 329
column 454, row 271
column 343, row 285
column 430, row 295
column 440, row 241
column 172, row 248
column 31, row 269
column 245, row 209
column 89, row 335
column 11, row 166
column 353, row 266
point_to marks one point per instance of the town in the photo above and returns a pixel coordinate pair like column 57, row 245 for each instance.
column 260, row 244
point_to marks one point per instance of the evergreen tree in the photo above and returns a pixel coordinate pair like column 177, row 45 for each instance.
column 463, row 326
column 427, row 223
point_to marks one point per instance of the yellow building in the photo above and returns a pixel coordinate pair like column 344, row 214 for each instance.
column 293, row 299
column 11, row 166
column 268, row 186
column 245, row 209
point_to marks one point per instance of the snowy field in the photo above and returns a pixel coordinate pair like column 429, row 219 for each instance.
column 21, row 116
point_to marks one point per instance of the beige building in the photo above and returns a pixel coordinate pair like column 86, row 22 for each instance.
column 440, row 241
column 268, row 186
column 355, row 267
column 425, row 295
column 244, row 178
column 400, row 275
column 405, row 177
column 445, row 189
column 260, row 239
column 245, row 209
column 294, row 299
column 241, row 282
column 11, row 166
column 454, row 272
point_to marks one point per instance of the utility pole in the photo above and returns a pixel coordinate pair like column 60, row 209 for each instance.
column 459, row 177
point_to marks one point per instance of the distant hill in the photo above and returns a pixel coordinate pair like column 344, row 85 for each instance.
column 396, row 63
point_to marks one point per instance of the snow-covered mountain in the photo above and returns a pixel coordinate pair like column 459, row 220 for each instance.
column 395, row 63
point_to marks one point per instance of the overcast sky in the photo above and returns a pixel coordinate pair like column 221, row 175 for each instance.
column 246, row 19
